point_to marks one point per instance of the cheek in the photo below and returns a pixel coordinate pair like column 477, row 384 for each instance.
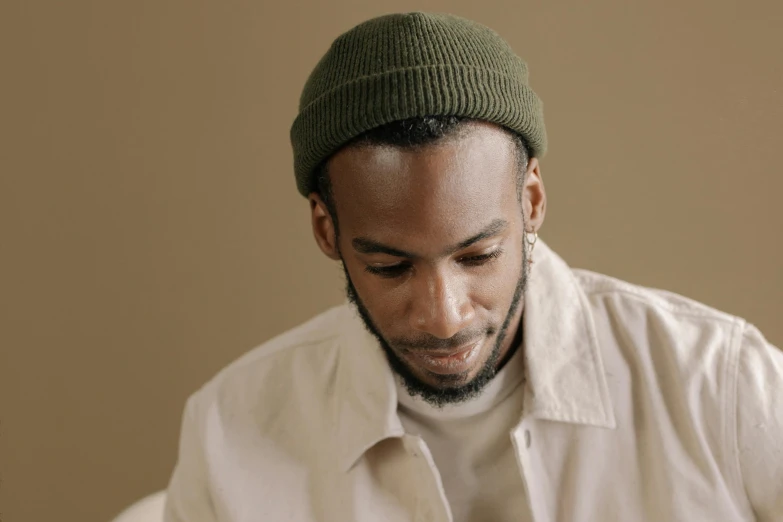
column 384, row 299
column 493, row 289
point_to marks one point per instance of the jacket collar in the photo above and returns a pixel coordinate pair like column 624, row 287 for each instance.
column 565, row 374
column 366, row 392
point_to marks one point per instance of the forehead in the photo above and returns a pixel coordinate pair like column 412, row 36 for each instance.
column 427, row 196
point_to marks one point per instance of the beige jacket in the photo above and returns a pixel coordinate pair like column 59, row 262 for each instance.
column 640, row 405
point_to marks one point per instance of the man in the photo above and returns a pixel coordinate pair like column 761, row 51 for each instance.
column 473, row 376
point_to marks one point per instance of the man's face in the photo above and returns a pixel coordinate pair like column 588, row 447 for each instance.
column 432, row 244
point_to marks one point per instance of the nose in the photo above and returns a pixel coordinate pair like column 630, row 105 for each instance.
column 441, row 307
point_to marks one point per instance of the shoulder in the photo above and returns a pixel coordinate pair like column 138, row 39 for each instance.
column 620, row 296
column 308, row 337
column 711, row 367
column 661, row 334
column 674, row 312
column 286, row 375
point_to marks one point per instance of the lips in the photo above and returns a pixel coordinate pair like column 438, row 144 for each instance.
column 457, row 361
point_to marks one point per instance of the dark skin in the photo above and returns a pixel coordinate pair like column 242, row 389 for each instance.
column 432, row 240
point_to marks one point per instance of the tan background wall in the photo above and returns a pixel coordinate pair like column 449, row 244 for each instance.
column 150, row 230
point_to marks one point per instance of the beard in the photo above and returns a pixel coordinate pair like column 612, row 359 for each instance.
column 451, row 390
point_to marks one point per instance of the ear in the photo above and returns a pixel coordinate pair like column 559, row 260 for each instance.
column 534, row 197
column 323, row 227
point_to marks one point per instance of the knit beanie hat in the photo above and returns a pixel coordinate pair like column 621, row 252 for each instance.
column 403, row 66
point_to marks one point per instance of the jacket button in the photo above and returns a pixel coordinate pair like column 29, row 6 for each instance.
column 527, row 438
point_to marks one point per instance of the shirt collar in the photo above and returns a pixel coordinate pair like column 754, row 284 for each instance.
column 366, row 392
column 565, row 374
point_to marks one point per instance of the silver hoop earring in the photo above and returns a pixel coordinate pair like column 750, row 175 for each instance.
column 531, row 243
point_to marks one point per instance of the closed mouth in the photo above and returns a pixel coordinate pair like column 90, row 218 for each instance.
column 445, row 353
column 452, row 361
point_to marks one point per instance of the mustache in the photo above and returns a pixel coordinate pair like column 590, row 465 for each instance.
column 431, row 343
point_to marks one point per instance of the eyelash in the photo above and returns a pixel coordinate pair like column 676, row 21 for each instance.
column 399, row 269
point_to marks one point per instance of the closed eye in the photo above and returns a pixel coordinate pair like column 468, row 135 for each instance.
column 482, row 258
column 392, row 271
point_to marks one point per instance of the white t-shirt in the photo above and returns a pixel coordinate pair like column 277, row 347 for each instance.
column 472, row 446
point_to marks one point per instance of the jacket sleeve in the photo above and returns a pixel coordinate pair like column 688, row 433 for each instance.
column 759, row 414
column 188, row 497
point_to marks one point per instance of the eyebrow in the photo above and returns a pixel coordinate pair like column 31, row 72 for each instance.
column 365, row 245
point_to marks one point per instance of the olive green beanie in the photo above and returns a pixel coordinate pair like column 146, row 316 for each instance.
column 410, row 65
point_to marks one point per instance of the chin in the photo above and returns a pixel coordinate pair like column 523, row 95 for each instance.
column 445, row 382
